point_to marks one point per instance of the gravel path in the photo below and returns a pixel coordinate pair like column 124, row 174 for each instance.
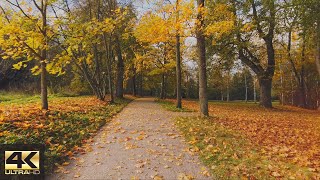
column 141, row 142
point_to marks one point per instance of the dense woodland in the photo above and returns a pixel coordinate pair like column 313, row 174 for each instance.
column 253, row 50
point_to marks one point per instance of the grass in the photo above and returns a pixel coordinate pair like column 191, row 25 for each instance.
column 170, row 106
column 64, row 129
column 230, row 155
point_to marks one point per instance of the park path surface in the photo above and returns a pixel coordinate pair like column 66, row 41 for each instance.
column 141, row 142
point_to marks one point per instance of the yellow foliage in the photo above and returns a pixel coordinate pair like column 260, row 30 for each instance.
column 221, row 21
column 219, row 29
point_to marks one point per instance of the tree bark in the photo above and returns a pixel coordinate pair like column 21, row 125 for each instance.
column 108, row 63
column 44, row 87
column 178, row 61
column 246, row 86
column 228, row 84
column 141, row 84
column 302, row 83
column 188, row 86
column 254, row 91
column 265, row 92
column 203, row 98
column 221, row 92
column 120, row 70
column 318, row 57
column 318, row 46
column 163, row 86
column 134, row 90
column 178, row 72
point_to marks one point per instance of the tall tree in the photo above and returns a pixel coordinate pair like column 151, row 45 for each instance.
column 247, row 56
column 203, row 98
column 178, row 58
column 26, row 34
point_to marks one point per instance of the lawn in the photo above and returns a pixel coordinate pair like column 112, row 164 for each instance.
column 64, row 128
column 171, row 106
column 254, row 141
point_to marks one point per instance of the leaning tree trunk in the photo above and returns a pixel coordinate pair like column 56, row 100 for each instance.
column 265, row 92
column 120, row 70
column 203, row 98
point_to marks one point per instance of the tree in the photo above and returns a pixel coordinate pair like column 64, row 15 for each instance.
column 203, row 98
column 26, row 35
column 242, row 25
column 246, row 55
column 178, row 58
column 164, row 28
column 298, row 25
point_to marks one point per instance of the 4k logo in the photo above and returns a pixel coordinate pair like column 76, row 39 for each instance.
column 22, row 160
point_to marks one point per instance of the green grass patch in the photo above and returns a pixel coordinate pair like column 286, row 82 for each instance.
column 7, row 98
column 229, row 155
column 170, row 106
column 240, row 103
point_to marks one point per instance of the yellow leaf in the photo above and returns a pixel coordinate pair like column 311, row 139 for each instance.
column 65, row 163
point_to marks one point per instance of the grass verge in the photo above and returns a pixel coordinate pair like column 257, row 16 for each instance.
column 229, row 155
column 170, row 106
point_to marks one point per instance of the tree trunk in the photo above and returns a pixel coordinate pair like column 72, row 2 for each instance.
column 301, row 96
column 178, row 72
column 108, row 63
column 203, row 98
column 120, row 70
column 163, row 86
column 221, row 92
column 44, row 87
column 110, row 84
column 281, row 83
column 254, row 91
column 141, row 84
column 188, row 86
column 178, row 61
column 291, row 83
column 246, row 86
column 301, row 83
column 265, row 92
column 318, row 46
column 134, row 90
column 228, row 92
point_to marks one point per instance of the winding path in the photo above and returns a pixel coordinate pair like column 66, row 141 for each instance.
column 141, row 142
